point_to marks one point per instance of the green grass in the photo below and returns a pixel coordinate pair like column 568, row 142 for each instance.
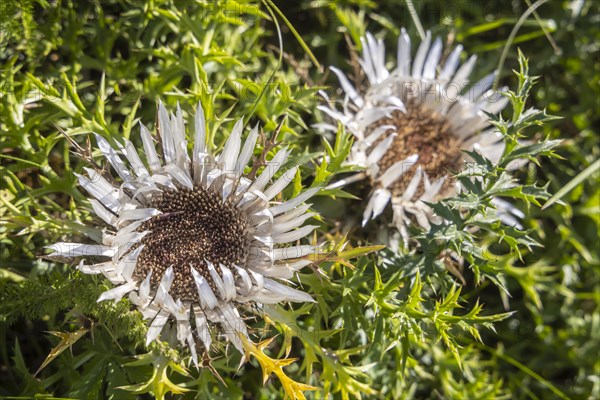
column 521, row 322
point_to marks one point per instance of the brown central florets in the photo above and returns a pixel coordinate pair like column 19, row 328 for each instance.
column 194, row 226
column 426, row 133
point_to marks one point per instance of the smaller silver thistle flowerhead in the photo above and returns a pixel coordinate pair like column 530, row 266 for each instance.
column 412, row 124
column 194, row 240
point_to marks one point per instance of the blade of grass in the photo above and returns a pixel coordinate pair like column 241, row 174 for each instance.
column 303, row 44
column 511, row 37
column 272, row 76
column 415, row 17
column 573, row 183
column 526, row 370
column 557, row 50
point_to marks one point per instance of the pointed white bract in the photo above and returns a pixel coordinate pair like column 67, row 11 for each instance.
column 217, row 288
column 442, row 92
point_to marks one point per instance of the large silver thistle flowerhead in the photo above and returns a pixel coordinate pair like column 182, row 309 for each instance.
column 194, row 240
column 411, row 125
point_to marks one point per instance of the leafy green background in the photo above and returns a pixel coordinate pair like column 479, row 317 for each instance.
column 77, row 67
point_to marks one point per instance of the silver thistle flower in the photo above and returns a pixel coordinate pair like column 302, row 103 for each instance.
column 194, row 240
column 411, row 125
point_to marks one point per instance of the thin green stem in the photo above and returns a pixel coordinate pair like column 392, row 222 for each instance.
column 526, row 370
column 511, row 38
column 573, row 183
column 557, row 49
column 303, row 44
column 272, row 76
column 415, row 17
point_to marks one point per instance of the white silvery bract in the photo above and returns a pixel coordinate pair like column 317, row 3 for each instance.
column 411, row 124
column 194, row 240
